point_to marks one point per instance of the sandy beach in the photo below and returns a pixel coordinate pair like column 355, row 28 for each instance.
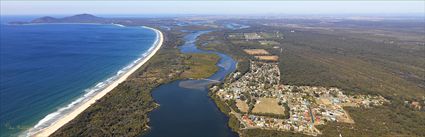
column 65, row 119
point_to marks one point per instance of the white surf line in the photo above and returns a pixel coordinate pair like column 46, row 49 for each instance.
column 74, row 113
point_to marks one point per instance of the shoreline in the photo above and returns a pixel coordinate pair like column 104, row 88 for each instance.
column 79, row 109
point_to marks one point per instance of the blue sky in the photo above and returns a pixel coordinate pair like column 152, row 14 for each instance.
column 209, row 7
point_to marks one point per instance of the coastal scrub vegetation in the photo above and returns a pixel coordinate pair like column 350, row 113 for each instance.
column 200, row 65
column 124, row 110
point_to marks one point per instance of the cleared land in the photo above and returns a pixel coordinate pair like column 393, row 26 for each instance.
column 346, row 119
column 256, row 51
column 242, row 106
column 268, row 105
column 268, row 58
column 324, row 101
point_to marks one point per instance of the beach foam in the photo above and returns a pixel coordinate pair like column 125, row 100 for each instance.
column 119, row 25
column 92, row 92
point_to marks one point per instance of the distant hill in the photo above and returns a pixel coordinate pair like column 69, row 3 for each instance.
column 82, row 18
column 79, row 18
column 46, row 19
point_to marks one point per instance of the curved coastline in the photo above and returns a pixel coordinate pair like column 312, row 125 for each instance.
column 52, row 122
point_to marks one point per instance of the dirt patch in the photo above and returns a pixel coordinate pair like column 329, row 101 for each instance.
column 268, row 105
column 256, row 51
column 345, row 118
column 268, row 58
column 324, row 101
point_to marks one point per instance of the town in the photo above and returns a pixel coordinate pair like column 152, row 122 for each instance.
column 258, row 101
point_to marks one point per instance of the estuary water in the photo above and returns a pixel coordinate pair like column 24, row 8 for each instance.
column 185, row 109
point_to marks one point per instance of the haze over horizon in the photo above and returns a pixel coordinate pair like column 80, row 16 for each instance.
column 211, row 7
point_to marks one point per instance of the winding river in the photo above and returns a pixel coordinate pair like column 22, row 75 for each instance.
column 185, row 108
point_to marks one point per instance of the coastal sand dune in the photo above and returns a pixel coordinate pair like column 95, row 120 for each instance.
column 74, row 113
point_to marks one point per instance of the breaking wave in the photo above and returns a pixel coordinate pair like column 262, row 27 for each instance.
column 89, row 93
column 119, row 25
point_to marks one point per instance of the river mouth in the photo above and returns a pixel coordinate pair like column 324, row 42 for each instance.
column 185, row 108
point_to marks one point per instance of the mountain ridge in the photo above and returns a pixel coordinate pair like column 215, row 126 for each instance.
column 78, row 18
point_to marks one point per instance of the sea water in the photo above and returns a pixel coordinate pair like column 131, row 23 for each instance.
column 46, row 69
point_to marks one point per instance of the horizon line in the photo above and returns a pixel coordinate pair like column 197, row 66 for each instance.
column 220, row 14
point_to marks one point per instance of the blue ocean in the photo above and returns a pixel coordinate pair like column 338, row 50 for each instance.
column 46, row 69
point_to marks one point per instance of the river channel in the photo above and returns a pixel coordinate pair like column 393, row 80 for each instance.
column 185, row 109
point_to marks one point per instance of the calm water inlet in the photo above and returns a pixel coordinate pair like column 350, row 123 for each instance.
column 185, row 109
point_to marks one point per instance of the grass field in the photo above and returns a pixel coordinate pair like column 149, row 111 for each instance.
column 268, row 106
column 242, row 106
